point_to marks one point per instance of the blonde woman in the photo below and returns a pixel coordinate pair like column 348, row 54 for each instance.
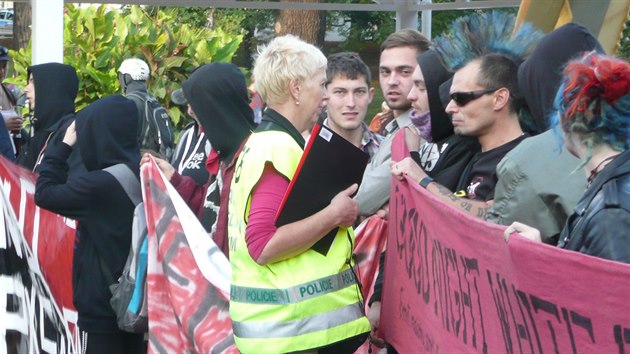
column 287, row 297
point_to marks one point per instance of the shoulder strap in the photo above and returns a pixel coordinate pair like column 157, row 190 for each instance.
column 131, row 185
column 144, row 120
column 127, row 180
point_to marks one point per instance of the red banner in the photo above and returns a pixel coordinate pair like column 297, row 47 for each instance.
column 188, row 276
column 35, row 270
column 452, row 284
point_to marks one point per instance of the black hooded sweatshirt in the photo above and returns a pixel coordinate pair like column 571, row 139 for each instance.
column 568, row 42
column 106, row 135
column 449, row 153
column 56, row 87
column 217, row 93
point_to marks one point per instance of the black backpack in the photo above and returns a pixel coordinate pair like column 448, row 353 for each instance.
column 155, row 131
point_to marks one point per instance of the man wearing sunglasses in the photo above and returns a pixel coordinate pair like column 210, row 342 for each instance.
column 484, row 104
column 397, row 62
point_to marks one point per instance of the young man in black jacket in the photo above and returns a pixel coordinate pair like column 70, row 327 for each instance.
column 55, row 88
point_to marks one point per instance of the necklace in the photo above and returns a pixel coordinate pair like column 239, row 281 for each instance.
column 596, row 170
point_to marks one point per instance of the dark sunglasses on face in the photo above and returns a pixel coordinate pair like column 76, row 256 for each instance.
column 463, row 98
column 3, row 50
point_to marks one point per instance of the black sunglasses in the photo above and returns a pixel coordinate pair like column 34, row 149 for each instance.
column 3, row 50
column 463, row 98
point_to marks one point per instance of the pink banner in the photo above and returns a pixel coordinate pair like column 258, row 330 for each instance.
column 452, row 284
column 188, row 276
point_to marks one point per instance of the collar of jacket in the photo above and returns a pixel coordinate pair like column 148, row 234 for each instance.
column 272, row 120
column 616, row 168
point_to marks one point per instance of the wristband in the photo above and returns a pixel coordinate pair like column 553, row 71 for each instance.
column 424, row 182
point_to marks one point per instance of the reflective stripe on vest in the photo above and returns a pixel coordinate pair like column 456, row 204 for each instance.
column 293, row 294
column 322, row 321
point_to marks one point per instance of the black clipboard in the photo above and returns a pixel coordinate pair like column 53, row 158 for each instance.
column 329, row 165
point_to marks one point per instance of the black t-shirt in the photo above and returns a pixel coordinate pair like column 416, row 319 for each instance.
column 480, row 176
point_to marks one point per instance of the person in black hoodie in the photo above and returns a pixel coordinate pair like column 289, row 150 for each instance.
column 444, row 155
column 106, row 135
column 55, row 87
column 193, row 148
column 217, row 93
column 593, row 114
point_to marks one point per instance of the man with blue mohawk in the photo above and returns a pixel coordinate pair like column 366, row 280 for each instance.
column 485, row 103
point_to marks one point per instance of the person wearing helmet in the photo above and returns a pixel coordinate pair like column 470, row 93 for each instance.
column 155, row 131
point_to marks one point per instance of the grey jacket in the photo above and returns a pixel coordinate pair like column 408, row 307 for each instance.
column 377, row 179
column 537, row 186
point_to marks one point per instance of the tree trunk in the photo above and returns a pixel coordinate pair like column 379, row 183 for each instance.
column 21, row 25
column 301, row 23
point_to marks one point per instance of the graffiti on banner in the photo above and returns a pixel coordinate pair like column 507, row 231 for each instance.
column 371, row 236
column 54, row 251
column 453, row 285
column 188, row 276
column 31, row 321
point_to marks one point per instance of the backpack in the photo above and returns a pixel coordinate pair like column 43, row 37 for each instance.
column 129, row 293
column 155, row 131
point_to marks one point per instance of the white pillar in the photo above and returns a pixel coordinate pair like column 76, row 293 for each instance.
column 47, row 31
column 405, row 18
column 426, row 20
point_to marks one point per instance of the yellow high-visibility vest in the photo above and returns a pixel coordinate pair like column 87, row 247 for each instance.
column 305, row 302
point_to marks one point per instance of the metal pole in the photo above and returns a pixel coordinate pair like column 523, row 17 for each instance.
column 427, row 15
column 47, row 31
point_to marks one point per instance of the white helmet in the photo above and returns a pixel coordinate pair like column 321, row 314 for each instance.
column 136, row 68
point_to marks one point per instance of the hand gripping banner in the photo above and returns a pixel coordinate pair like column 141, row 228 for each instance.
column 188, row 276
column 452, row 285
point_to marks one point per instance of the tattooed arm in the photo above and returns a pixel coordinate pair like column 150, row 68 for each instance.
column 408, row 167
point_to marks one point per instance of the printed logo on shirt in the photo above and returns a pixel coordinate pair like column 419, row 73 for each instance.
column 196, row 162
column 476, row 182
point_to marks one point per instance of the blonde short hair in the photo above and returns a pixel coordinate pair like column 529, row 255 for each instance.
column 284, row 59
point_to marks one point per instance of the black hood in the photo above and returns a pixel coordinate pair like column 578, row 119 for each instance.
column 539, row 76
column 106, row 133
column 217, row 94
column 435, row 74
column 56, row 87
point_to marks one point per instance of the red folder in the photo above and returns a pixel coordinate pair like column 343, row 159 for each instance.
column 329, row 165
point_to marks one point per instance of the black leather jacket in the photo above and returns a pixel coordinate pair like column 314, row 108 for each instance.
column 600, row 224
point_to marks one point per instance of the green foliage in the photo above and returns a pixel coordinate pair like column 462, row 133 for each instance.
column 441, row 20
column 624, row 43
column 362, row 27
column 231, row 20
column 195, row 17
column 98, row 39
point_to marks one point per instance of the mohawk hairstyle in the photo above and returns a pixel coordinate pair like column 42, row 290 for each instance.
column 472, row 36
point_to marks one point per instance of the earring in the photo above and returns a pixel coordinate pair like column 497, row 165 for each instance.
column 297, row 101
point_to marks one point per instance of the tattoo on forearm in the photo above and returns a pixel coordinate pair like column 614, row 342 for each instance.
column 481, row 212
column 444, row 191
